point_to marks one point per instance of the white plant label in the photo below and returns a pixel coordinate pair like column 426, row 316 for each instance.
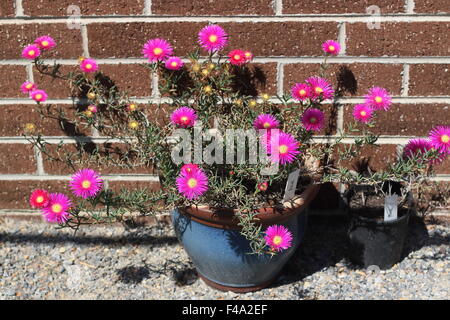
column 291, row 185
column 390, row 208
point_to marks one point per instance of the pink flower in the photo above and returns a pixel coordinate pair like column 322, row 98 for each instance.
column 39, row 198
column 237, row 57
column 283, row 148
column 320, row 88
column 86, row 183
column 248, row 55
column 362, row 113
column 45, row 42
column 440, row 138
column 27, row 87
column 184, row 117
column 301, row 91
column 157, row 50
column 39, row 95
column 313, row 119
column 212, row 38
column 57, row 209
column 265, row 121
column 263, row 186
column 92, row 108
column 378, row 98
column 31, row 52
column 278, row 238
column 174, row 63
column 331, row 47
column 189, row 168
column 88, row 65
column 416, row 146
column 192, row 185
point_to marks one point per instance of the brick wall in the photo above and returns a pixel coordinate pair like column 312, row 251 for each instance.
column 409, row 54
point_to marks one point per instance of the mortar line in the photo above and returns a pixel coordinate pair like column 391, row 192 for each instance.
column 405, row 81
column 30, row 72
column 280, row 79
column 18, row 8
column 85, row 40
column 409, row 6
column 342, row 38
column 39, row 161
column 147, row 7
column 278, row 7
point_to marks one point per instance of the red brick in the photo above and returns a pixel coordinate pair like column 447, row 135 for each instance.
column 264, row 38
column 87, row 7
column 212, row 7
column 331, row 6
column 354, row 78
column 431, row 6
column 11, row 84
column 56, row 88
column 429, row 80
column 7, row 8
column 132, row 78
column 117, row 186
column 444, row 167
column 17, row 158
column 15, row 37
column 399, row 38
column 405, row 119
column 378, row 157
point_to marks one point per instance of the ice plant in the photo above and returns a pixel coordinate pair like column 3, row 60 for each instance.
column 278, row 238
column 132, row 107
column 88, row 65
column 31, row 52
column 320, row 87
column 45, row 42
column 248, row 55
column 378, row 98
column 86, row 183
column 189, row 168
column 362, row 113
column 417, row 146
column 331, row 47
column 39, row 198
column 283, row 148
column 192, row 185
column 265, row 121
column 57, row 209
column 263, row 186
column 212, row 38
column 92, row 108
column 184, row 117
column 237, row 57
column 440, row 138
column 174, row 63
column 157, row 50
column 39, row 95
column 313, row 119
column 301, row 91
column 27, row 87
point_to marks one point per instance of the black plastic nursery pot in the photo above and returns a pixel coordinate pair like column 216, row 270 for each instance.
column 377, row 242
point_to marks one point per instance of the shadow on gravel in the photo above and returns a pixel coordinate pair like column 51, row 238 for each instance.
column 133, row 274
column 87, row 240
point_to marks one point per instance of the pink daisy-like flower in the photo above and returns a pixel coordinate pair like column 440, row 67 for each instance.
column 301, row 91
column 278, row 238
column 92, row 108
column 378, row 98
column 184, row 117
column 27, row 87
column 86, row 183
column 416, row 146
column 440, row 138
column 362, row 113
column 192, row 185
column 237, row 57
column 320, row 87
column 248, row 55
column 174, row 63
column 313, row 119
column 88, row 65
column 265, row 121
column 285, row 146
column 331, row 47
column 45, row 42
column 57, row 209
column 31, row 52
column 189, row 168
column 212, row 38
column 39, row 95
column 263, row 186
column 157, row 50
column 39, row 198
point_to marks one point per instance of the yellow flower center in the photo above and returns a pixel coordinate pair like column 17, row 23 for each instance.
column 302, row 92
column 445, row 138
column 266, row 125
column 283, row 149
column 312, row 120
column 132, row 107
column 133, row 124
column 248, row 54
column 378, row 99
column 31, row 52
column 86, row 184
column 208, row 89
column 363, row 113
column 39, row 96
column 192, row 183
column 174, row 64
column 265, row 96
column 157, row 51
column 44, row 43
column 318, row 89
column 184, row 119
column 252, row 103
column 277, row 240
column 212, row 38
column 57, row 208
column 40, row 199
column 88, row 66
column 29, row 86
column 91, row 95
column 237, row 57
column 88, row 113
column 331, row 48
column 205, row 72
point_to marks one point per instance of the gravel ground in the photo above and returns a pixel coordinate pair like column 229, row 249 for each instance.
column 38, row 261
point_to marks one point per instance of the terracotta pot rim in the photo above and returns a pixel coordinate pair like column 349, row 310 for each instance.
column 225, row 219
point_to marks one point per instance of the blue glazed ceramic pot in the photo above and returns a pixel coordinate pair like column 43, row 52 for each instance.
column 221, row 254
